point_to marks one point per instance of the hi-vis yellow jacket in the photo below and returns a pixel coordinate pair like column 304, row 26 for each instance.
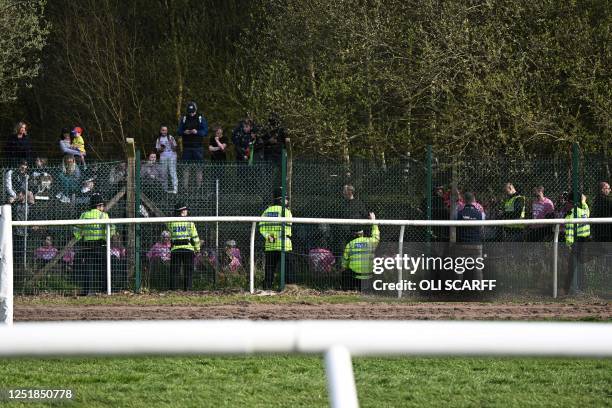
column 271, row 231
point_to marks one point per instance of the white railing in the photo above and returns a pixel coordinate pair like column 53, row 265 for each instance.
column 338, row 340
column 254, row 220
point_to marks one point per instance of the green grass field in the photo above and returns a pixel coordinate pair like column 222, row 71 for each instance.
column 290, row 381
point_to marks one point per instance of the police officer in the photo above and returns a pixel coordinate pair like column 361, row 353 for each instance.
column 357, row 258
column 185, row 243
column 91, row 250
column 272, row 233
column 514, row 209
column 576, row 245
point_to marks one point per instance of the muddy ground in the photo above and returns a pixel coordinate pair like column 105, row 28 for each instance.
column 292, row 311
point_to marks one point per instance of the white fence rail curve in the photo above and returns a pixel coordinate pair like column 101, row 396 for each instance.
column 336, row 339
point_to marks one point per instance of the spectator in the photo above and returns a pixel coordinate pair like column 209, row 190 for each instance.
column 83, row 197
column 160, row 251
column 118, row 263
column 514, row 209
column 118, row 253
column 18, row 146
column 274, row 139
column 17, row 181
column 439, row 211
column 117, row 176
column 151, row 174
column 602, row 208
column 166, row 147
column 541, row 208
column 459, row 202
column 41, row 179
column 243, row 138
column 218, row 145
column 470, row 238
column 232, row 259
column 158, row 271
column 78, row 143
column 46, row 252
column 66, row 144
column 20, row 212
column 192, row 130
column 69, row 179
column 321, row 260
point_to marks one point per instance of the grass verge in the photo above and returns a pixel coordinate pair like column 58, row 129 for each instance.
column 299, row 381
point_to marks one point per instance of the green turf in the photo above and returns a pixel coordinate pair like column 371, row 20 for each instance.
column 289, row 381
column 195, row 298
column 301, row 296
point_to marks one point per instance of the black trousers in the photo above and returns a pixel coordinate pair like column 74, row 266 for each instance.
column 349, row 281
column 91, row 266
column 575, row 264
column 273, row 259
column 181, row 259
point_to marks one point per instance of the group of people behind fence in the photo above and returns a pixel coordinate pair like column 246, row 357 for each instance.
column 516, row 206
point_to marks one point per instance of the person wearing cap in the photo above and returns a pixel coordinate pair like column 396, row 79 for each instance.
column 192, row 129
column 65, row 144
column 185, row 244
column 77, row 140
column 272, row 232
column 358, row 256
column 91, row 252
column 576, row 235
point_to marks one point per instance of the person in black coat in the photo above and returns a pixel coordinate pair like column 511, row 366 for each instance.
column 18, row 146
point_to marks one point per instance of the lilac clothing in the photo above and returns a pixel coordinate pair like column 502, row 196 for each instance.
column 321, row 260
column 475, row 204
column 542, row 209
column 45, row 253
column 161, row 251
column 66, row 149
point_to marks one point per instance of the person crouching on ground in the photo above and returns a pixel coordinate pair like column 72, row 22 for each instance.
column 357, row 258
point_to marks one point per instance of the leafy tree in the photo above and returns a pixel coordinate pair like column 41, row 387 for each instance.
column 24, row 31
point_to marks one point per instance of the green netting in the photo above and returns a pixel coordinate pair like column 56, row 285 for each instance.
column 395, row 190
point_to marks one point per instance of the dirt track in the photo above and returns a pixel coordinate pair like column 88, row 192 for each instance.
column 363, row 310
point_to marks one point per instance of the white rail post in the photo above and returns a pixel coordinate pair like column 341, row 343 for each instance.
column 400, row 251
column 340, row 380
column 556, row 261
column 108, row 259
column 6, row 267
column 252, row 259
column 217, row 255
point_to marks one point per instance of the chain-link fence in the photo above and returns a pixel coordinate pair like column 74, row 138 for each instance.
column 48, row 260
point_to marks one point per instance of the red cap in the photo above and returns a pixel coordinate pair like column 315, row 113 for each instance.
column 77, row 130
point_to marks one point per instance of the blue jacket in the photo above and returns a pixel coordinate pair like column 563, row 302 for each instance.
column 469, row 234
column 193, row 141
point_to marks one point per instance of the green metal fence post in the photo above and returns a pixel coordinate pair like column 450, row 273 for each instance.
column 283, row 204
column 576, row 199
column 137, row 274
